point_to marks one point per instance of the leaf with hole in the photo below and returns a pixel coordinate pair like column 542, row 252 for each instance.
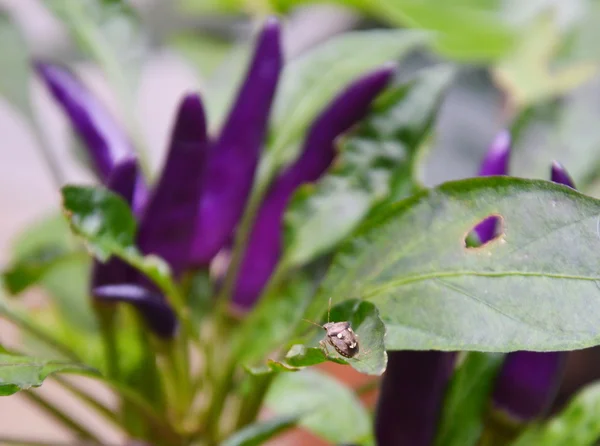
column 533, row 288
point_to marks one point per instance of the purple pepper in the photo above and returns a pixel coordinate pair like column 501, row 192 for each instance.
column 411, row 397
column 233, row 159
column 529, row 381
column 104, row 138
column 495, row 163
column 264, row 247
column 168, row 225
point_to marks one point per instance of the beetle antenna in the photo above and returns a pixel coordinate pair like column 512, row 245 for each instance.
column 311, row 322
column 329, row 310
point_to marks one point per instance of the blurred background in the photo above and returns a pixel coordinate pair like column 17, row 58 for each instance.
column 528, row 65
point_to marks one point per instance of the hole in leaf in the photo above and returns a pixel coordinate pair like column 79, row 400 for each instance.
column 487, row 230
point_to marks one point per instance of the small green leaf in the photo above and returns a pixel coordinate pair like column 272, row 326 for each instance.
column 31, row 269
column 21, row 372
column 375, row 162
column 101, row 217
column 14, row 65
column 270, row 367
column 309, row 82
column 467, row 398
column 578, row 424
column 104, row 220
column 258, row 433
column 334, row 412
column 533, row 288
column 302, row 356
column 370, row 331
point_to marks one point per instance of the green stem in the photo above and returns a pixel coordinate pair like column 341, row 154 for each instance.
column 61, row 417
column 88, row 33
column 253, row 402
column 108, row 414
column 38, row 332
column 106, row 318
column 44, row 150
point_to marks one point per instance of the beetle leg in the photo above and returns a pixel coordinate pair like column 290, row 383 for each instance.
column 323, row 345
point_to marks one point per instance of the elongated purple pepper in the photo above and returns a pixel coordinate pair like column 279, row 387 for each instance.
column 410, row 401
column 264, row 247
column 529, row 381
column 167, row 227
column 104, row 138
column 233, row 159
column 496, row 162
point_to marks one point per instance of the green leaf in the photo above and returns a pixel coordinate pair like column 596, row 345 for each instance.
column 529, row 75
column 375, row 161
column 309, row 82
column 50, row 231
column 534, row 288
column 464, row 30
column 21, row 372
column 205, row 53
column 104, row 220
column 369, row 329
column 101, row 217
column 258, row 433
column 578, row 424
column 334, row 412
column 270, row 367
column 14, row 65
column 109, row 32
column 467, row 398
column 31, row 269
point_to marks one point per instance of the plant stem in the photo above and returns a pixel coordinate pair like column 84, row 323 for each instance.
column 38, row 332
column 108, row 414
column 251, row 405
column 61, row 417
column 106, row 318
column 41, row 145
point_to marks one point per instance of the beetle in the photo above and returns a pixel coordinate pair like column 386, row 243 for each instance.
column 340, row 336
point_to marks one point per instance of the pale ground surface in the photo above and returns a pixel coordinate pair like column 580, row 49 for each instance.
column 27, row 191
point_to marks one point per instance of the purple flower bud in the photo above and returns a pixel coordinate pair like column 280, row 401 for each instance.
column 233, row 160
column 529, row 381
column 560, row 175
column 411, row 397
column 495, row 163
column 105, row 140
column 168, row 224
column 122, row 181
column 318, row 152
column 159, row 317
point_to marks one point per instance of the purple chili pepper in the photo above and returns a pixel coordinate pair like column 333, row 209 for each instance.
column 411, row 397
column 233, row 159
column 317, row 154
column 529, row 381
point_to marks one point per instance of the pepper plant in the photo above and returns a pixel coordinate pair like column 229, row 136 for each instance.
column 190, row 292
